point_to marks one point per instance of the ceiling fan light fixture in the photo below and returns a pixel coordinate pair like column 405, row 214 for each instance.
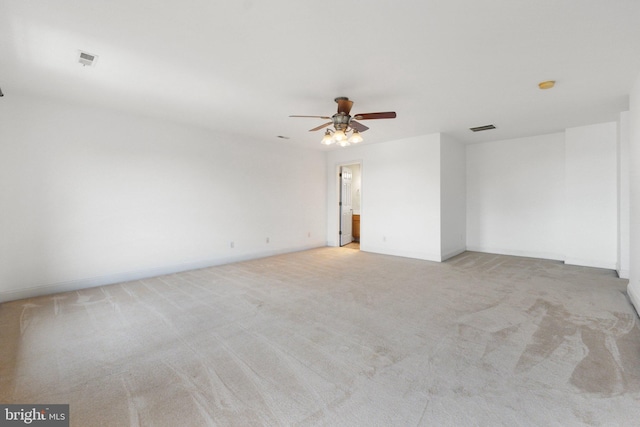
column 356, row 137
column 339, row 135
column 328, row 138
column 345, row 131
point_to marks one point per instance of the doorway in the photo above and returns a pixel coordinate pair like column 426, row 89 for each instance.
column 350, row 179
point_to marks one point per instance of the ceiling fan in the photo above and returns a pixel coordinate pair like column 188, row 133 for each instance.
column 343, row 124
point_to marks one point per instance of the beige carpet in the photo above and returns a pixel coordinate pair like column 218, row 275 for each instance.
column 334, row 337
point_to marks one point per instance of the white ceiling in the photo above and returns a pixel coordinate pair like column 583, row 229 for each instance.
column 243, row 66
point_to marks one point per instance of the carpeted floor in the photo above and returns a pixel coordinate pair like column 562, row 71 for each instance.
column 334, row 336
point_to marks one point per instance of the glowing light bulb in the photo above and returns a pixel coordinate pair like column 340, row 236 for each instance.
column 356, row 137
column 327, row 139
column 339, row 135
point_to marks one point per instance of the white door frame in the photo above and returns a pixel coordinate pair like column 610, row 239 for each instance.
column 346, row 205
column 337, row 201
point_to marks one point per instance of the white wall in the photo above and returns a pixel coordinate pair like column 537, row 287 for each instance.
column 453, row 197
column 90, row 196
column 515, row 196
column 591, row 195
column 400, row 196
column 623, row 196
column 634, row 167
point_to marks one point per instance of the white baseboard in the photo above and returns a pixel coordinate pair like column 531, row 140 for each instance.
column 401, row 253
column 634, row 298
column 623, row 274
column 511, row 252
column 546, row 255
column 91, row 282
column 590, row 263
column 451, row 254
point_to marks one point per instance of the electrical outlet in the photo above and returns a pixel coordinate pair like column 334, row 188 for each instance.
column 232, row 245
column 309, row 234
column 267, row 240
column 384, row 238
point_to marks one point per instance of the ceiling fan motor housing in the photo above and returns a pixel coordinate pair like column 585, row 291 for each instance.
column 341, row 120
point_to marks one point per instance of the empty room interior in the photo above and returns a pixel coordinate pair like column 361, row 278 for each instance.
column 338, row 213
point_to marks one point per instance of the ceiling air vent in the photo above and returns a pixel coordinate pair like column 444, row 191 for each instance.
column 481, row 128
column 87, row 59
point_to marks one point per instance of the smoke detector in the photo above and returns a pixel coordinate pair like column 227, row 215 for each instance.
column 87, row 59
column 547, row 85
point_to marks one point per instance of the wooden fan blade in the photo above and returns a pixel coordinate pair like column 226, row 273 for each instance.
column 320, row 127
column 370, row 116
column 344, row 105
column 315, row 117
column 358, row 126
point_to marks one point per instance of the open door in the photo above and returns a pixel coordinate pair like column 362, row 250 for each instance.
column 346, row 210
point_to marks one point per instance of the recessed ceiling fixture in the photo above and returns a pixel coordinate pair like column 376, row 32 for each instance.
column 346, row 130
column 87, row 59
column 481, row 128
column 547, row 85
